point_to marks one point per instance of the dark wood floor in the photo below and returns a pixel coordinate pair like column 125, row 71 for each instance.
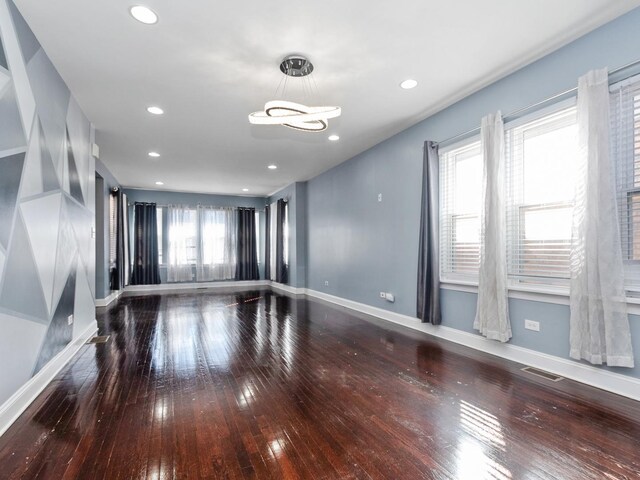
column 258, row 385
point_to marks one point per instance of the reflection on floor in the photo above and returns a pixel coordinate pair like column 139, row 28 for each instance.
column 258, row 385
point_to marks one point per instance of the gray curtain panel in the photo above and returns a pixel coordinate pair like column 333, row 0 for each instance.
column 282, row 268
column 428, row 299
column 247, row 252
column 267, row 243
column 145, row 241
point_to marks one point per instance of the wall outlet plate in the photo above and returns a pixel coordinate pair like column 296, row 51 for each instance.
column 326, row 283
column 532, row 325
column 70, row 319
column 390, row 297
column 379, row 197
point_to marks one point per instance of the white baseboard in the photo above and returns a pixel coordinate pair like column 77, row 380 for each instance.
column 19, row 401
column 196, row 285
column 288, row 289
column 606, row 380
column 104, row 302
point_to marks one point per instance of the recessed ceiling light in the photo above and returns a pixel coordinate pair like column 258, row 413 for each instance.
column 159, row 183
column 245, row 189
column 272, row 167
column 154, row 154
column 155, row 110
column 334, row 138
column 408, row 84
column 143, row 14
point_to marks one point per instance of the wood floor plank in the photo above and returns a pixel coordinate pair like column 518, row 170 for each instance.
column 252, row 384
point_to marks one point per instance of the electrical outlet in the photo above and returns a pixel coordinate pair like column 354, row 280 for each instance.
column 379, row 197
column 70, row 319
column 390, row 297
column 383, row 295
column 532, row 325
column 326, row 283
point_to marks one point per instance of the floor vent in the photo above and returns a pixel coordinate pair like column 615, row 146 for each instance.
column 541, row 373
column 100, row 339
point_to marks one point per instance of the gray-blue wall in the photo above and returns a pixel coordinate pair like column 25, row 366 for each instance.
column 362, row 246
column 296, row 196
column 47, row 253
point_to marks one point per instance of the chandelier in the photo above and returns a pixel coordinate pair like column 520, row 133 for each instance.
column 295, row 115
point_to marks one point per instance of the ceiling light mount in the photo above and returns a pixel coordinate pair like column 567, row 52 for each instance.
column 296, row 66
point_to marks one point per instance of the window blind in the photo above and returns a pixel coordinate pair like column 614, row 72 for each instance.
column 460, row 205
column 540, row 180
column 625, row 148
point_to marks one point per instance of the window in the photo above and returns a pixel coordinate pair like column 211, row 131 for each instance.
column 625, row 147
column 460, row 205
column 182, row 235
column 540, row 171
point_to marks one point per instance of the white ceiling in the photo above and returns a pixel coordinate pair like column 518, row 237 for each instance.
column 210, row 63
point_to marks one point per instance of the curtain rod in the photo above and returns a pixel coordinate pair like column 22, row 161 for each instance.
column 519, row 111
column 194, row 206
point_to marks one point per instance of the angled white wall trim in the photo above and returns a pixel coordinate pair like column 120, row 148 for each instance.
column 19, row 401
column 613, row 382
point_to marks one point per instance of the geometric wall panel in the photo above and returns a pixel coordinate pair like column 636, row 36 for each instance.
column 5, row 78
column 65, row 255
column 21, row 290
column 42, row 218
column 74, row 177
column 52, row 100
column 29, row 335
column 79, row 135
column 81, row 220
column 28, row 43
column 3, row 257
column 59, row 333
column 50, row 179
column 3, row 57
column 10, row 174
column 47, row 255
column 11, row 133
column 32, row 176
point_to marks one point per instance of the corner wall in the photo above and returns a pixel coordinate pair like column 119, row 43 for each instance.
column 47, row 253
column 362, row 246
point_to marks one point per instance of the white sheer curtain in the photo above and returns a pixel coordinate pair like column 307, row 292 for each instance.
column 181, row 238
column 217, row 243
column 599, row 326
column 492, row 314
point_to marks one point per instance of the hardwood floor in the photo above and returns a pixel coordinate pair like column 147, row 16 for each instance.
column 258, row 385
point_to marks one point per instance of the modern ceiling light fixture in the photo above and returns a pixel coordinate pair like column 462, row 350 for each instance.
column 291, row 114
column 154, row 154
column 272, row 167
column 143, row 14
column 334, row 138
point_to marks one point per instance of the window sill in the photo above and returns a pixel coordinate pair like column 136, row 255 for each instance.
column 545, row 294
